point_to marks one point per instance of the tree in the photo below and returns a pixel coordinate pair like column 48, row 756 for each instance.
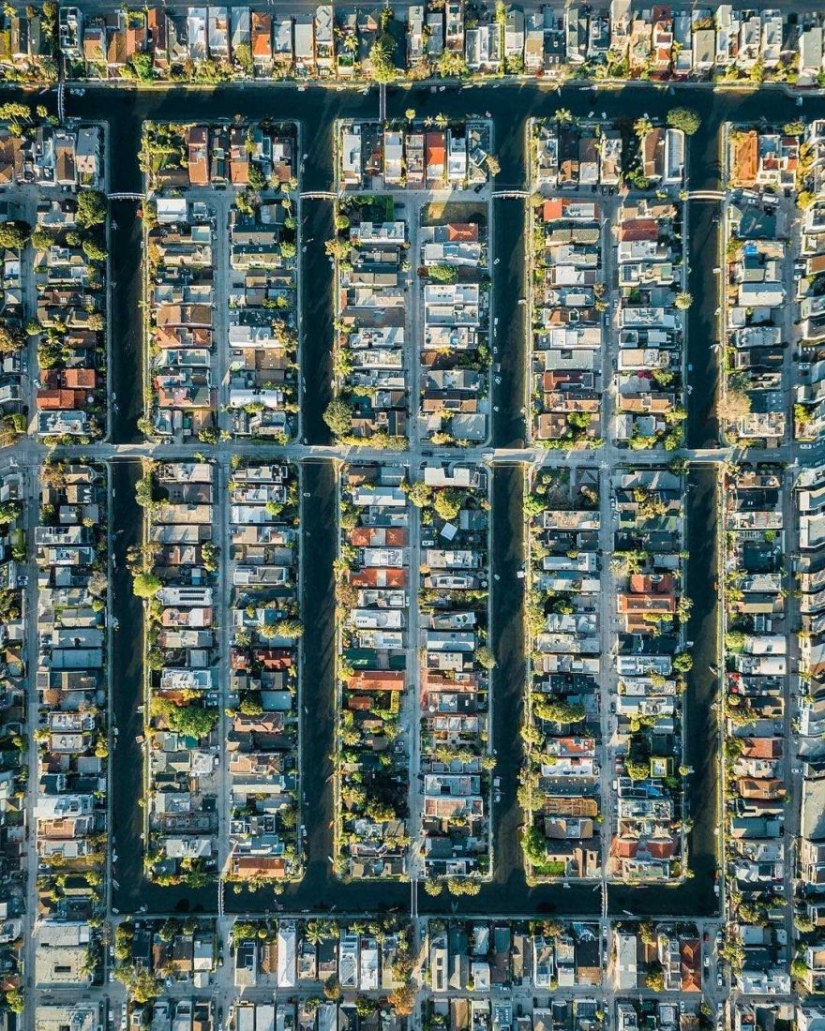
column 43, row 238
column 557, row 710
column 443, row 273
column 683, row 300
column 338, row 416
column 493, row 165
column 192, row 720
column 683, row 662
column 381, row 58
column 243, row 57
column 451, row 64
column 402, row 999
column 337, row 248
column 655, row 980
column 11, row 340
column 647, row 932
column 684, row 118
column 251, row 706
column 642, row 126
column 91, row 208
column 485, row 657
column 291, row 628
column 332, row 988
column 14, row 233
column 94, row 249
column 420, row 494
column 146, row 585
column 447, row 503
column 534, row 845
column 15, row 1000
column 142, row 66
column 637, row 770
column 144, row 987
column 733, row 405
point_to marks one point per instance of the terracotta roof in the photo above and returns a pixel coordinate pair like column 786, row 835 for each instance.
column 377, row 680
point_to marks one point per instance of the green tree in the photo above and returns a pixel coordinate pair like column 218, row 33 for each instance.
column 683, row 662
column 192, row 720
column 637, row 770
column 141, row 65
column 558, row 710
column 447, row 503
column 14, row 233
column 94, row 249
column 451, row 64
column 243, row 57
column 381, row 58
column 420, row 494
column 338, row 416
column 534, row 845
column 443, row 273
column 91, row 208
column 146, row 585
column 655, row 980
column 684, row 118
column 291, row 628
column 15, row 1000
column 485, row 657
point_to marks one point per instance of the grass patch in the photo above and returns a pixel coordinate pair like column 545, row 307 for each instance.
column 440, row 212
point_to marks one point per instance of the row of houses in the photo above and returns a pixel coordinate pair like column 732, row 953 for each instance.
column 567, row 299
column 14, row 360
column 263, row 321
column 588, row 156
column 262, row 744
column 258, row 285
column 456, row 669
column 71, row 830
column 808, row 967
column 660, row 956
column 509, row 955
column 29, row 43
column 755, row 749
column 306, row 954
column 563, row 747
column 431, row 154
column 35, row 155
column 455, row 353
column 809, row 269
column 373, row 595
column 14, row 815
column 180, row 952
column 648, row 839
column 256, row 156
column 176, row 572
column 180, row 254
column 370, row 354
column 53, row 278
column 618, row 40
column 650, row 266
column 34, row 152
column 756, row 320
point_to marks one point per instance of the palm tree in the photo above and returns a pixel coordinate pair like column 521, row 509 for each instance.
column 564, row 115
